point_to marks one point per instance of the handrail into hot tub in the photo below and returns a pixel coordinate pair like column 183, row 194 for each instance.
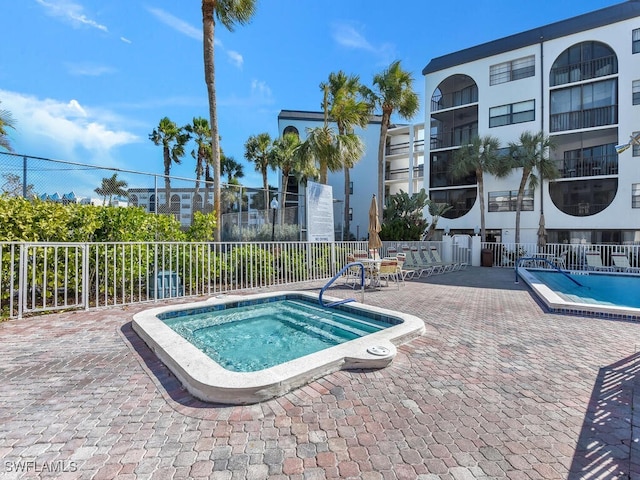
column 551, row 264
column 335, row 277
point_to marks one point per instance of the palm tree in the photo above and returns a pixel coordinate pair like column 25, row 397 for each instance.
column 173, row 139
column 531, row 154
column 112, row 186
column 229, row 13
column 394, row 93
column 285, row 155
column 232, row 169
column 479, row 156
column 328, row 149
column 348, row 108
column 6, row 121
column 201, row 132
column 256, row 150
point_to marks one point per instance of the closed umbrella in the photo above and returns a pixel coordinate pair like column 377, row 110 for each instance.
column 542, row 233
column 374, row 226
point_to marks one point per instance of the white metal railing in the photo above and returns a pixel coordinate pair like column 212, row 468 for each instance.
column 37, row 277
column 566, row 255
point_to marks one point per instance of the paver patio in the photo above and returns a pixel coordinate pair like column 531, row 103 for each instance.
column 497, row 388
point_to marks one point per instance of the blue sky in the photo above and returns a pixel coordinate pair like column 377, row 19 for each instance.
column 88, row 80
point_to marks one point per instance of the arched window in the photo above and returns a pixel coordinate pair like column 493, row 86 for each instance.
column 133, row 200
column 461, row 199
column 175, row 206
column 581, row 198
column 291, row 129
column 197, row 203
column 583, row 61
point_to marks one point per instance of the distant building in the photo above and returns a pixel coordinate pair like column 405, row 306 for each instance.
column 183, row 202
column 364, row 175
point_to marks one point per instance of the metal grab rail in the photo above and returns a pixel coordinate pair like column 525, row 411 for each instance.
column 335, row 277
column 551, row 264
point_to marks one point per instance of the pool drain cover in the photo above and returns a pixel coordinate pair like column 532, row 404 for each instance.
column 378, row 350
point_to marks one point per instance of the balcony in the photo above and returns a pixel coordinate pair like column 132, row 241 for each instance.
column 454, row 138
column 593, row 117
column 403, row 173
column 458, row 98
column 587, row 70
column 403, row 148
column 588, row 167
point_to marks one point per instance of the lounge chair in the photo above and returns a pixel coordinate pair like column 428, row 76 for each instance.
column 594, row 262
column 413, row 262
column 404, row 272
column 621, row 263
column 452, row 266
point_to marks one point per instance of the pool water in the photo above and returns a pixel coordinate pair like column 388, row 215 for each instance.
column 254, row 337
column 600, row 289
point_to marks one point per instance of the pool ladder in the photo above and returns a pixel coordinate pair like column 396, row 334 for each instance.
column 335, row 277
column 551, row 264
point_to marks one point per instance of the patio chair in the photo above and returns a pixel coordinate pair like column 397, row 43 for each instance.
column 594, row 262
column 438, row 267
column 621, row 263
column 352, row 275
column 388, row 269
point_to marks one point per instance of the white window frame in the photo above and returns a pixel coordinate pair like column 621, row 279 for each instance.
column 512, row 70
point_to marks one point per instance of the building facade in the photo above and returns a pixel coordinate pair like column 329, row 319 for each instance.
column 578, row 81
column 403, row 170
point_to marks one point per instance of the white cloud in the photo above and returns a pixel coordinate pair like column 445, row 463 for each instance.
column 349, row 37
column 176, row 23
column 260, row 95
column 125, row 40
column 71, row 12
column 236, row 58
column 87, row 69
column 65, row 127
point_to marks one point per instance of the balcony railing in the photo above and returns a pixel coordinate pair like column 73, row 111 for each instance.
column 588, row 167
column 400, row 148
column 577, row 72
column 594, row 117
column 453, row 138
column 403, row 173
column 458, row 98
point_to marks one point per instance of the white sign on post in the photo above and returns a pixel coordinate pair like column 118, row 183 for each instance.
column 319, row 212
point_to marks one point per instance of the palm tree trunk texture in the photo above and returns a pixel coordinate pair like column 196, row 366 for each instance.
column 209, row 75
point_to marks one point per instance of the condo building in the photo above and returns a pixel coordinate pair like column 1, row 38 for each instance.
column 578, row 81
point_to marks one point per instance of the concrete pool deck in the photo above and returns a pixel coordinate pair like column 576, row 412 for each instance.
column 496, row 388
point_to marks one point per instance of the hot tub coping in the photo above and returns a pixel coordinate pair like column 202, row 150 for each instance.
column 205, row 379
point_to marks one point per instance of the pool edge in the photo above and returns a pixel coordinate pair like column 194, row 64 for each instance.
column 208, row 381
column 556, row 304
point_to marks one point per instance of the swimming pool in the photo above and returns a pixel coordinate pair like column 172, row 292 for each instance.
column 595, row 293
column 254, row 337
column 205, row 376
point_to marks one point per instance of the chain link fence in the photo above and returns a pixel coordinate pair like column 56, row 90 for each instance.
column 246, row 212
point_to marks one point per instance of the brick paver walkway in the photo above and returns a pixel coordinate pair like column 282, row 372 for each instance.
column 497, row 388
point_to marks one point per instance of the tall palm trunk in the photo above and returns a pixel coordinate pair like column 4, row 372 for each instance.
column 265, row 186
column 167, row 180
column 209, row 75
column 384, row 127
column 480, row 180
column 520, row 197
column 347, row 195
